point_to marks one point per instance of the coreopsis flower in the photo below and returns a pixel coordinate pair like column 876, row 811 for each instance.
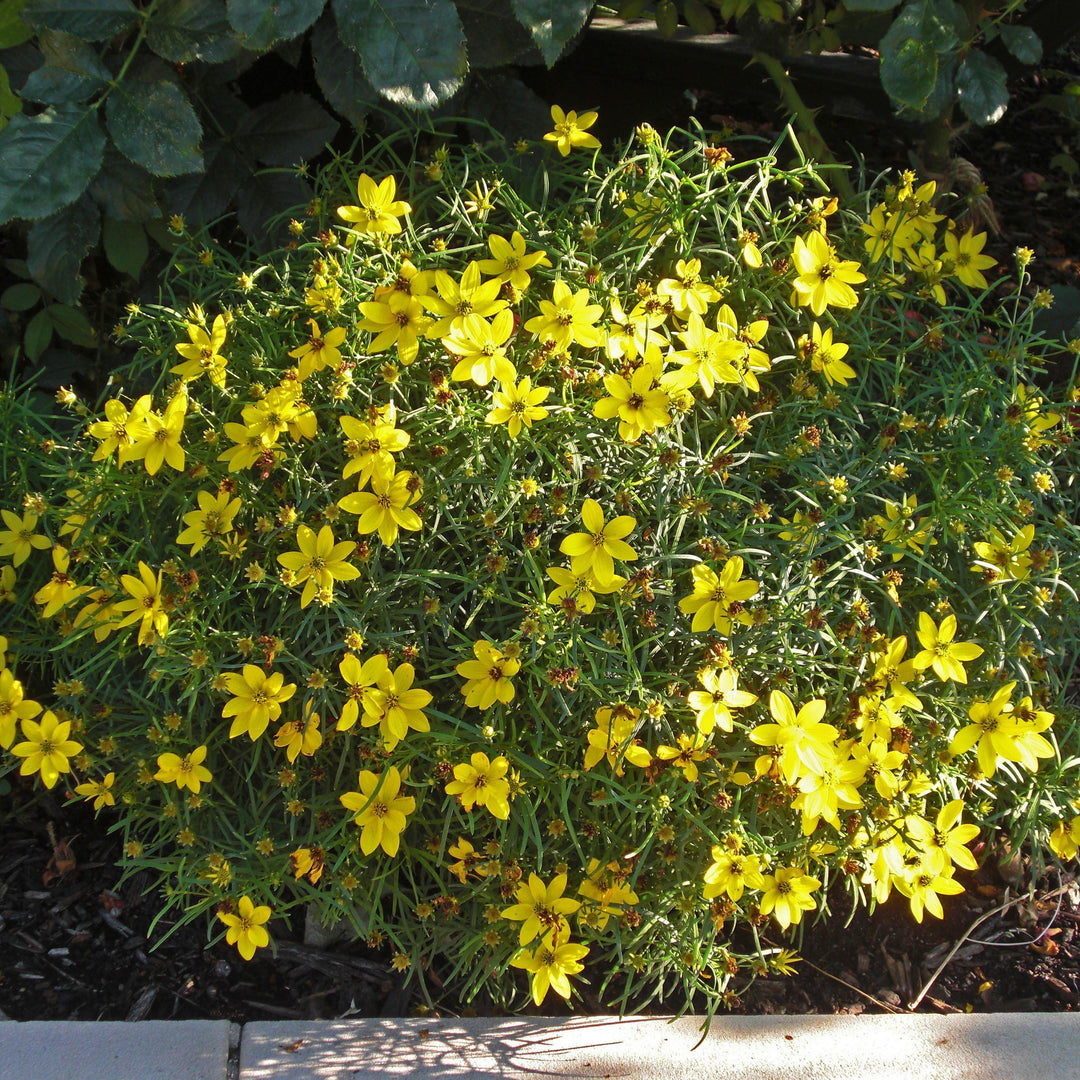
column 613, row 739
column 1065, row 839
column 320, row 350
column 251, row 446
column 185, row 772
column 309, row 862
column 482, row 782
column 571, row 131
column 732, row 873
column 964, row 253
column 629, row 334
column 488, row 676
column 595, row 550
column 888, row 235
column 159, row 443
column 61, row 589
column 257, row 699
column 892, row 673
column 827, row 788
column 739, row 346
column 396, row 705
column 826, row 356
column 574, row 592
column 944, row 842
column 879, row 762
column 749, row 250
column 640, row 402
column 120, row 429
column 550, row 964
column 481, row 347
column 923, row 885
column 713, row 705
column 14, row 706
column 398, row 320
column 319, row 562
column 378, row 212
column 145, row 605
column 717, row 601
column 510, row 262
column 301, row 736
column 940, row 652
column 804, row 742
column 99, row 791
column 700, row 356
column 245, row 926
column 1001, row 734
column 823, row 280
column 469, row 860
column 453, row 301
column 203, row 354
column 686, row 291
column 212, row 521
column 360, row 679
column 606, row 894
column 1009, row 558
column 385, row 508
column 20, row 538
column 517, row 405
column 380, row 810
column 567, row 318
column 542, row 909
column 47, row 748
column 786, row 894
column 899, row 527
column 690, row 750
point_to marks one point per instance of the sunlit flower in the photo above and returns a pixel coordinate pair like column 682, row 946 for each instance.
column 245, row 927
column 20, row 537
column 488, row 676
column 257, row 699
column 187, row 771
column 319, row 562
column 517, row 405
column 717, row 601
column 482, row 782
column 203, row 354
column 378, row 212
column 380, row 810
column 596, row 549
column 571, row 131
column 46, row 749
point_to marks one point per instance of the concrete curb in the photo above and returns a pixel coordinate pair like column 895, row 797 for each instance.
column 984, row 1046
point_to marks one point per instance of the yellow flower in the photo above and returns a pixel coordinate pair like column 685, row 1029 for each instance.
column 245, row 927
column 380, row 810
column 145, row 604
column 480, row 345
column 488, row 676
column 517, row 405
column 378, row 212
column 159, row 442
column 370, row 446
column 509, row 261
column 940, row 652
column 826, row 356
column 1009, row 558
column 713, row 705
column 257, row 699
column 595, row 550
column 823, row 279
column 550, row 964
column 543, row 909
column 640, row 403
column 805, row 743
column 19, row 539
column 60, row 590
column 185, row 772
column 605, row 892
column 574, row 592
column 690, row 750
column 300, row 736
column 566, row 318
column 203, row 354
column 687, row 292
column 308, row 862
column 360, row 680
column 571, row 131
column 924, row 885
column 454, row 301
column 965, row 255
column 386, row 507
column 319, row 562
column 320, row 350
column 212, row 521
column 944, row 842
column 1004, row 732
column 13, row 706
column 399, row 320
column 98, row 790
column 482, row 782
column 717, row 602
column 613, row 738
column 732, row 873
column 46, row 749
column 120, row 429
column 786, row 894
column 395, row 705
column 469, row 860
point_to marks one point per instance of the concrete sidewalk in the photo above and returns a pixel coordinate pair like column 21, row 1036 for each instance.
column 985, row 1046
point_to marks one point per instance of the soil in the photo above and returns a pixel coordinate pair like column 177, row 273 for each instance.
column 76, row 942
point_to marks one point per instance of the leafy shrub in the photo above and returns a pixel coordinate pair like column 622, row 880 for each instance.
column 612, row 571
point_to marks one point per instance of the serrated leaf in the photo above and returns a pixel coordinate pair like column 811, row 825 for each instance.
column 47, row 160
column 262, row 23
column 21, row 297
column 126, row 246
column 340, row 74
column 493, row 35
column 909, row 72
column 552, row 23
column 13, row 31
column 285, row 131
column 123, row 190
column 982, row 88
column 71, row 324
column 1023, row 43
column 185, row 30
column 9, row 103
column 412, row 51
column 38, row 334
column 72, row 71
column 92, row 20
column 155, row 126
column 203, row 197
column 56, row 246
column 266, row 196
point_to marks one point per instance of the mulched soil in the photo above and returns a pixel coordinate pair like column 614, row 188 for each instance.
column 76, row 943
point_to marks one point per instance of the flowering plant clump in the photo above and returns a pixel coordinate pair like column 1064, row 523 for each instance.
column 585, row 581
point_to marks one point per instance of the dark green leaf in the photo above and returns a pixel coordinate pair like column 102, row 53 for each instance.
column 71, row 323
column 413, row 51
column 699, row 17
column 126, row 246
column 21, row 297
column 261, row 23
column 982, row 89
column 47, row 160
column 93, row 20
column 870, row 5
column 909, row 72
column 185, row 30
column 9, row 103
column 340, row 74
column 13, row 31
column 508, row 105
column 56, row 246
column 632, row 9
column 203, row 197
column 494, row 36
column 72, row 71
column 269, row 195
column 1023, row 43
column 155, row 126
column 123, row 190
column 552, row 23
column 285, row 131
column 667, row 17
column 943, row 95
column 39, row 332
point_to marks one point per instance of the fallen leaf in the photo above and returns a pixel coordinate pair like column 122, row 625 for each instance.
column 1049, row 947
column 62, row 861
column 291, row 1048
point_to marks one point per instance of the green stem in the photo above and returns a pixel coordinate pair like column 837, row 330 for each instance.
column 145, row 15
column 804, row 119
